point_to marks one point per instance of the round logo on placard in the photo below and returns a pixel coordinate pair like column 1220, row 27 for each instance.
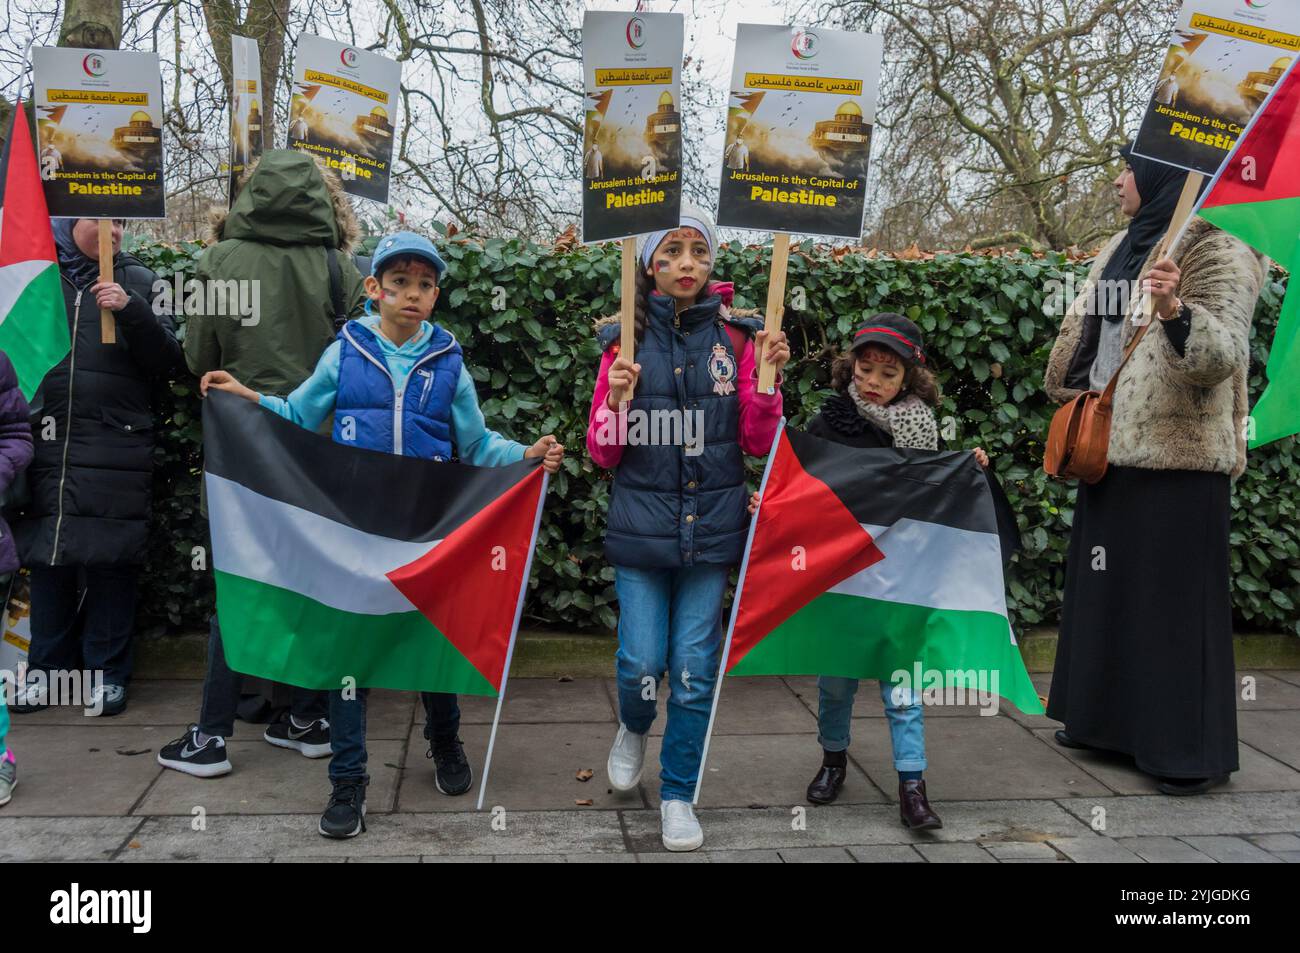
column 93, row 64
column 1258, row 4
column 349, row 57
column 805, row 44
column 636, row 33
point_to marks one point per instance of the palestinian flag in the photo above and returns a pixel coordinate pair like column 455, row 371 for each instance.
column 33, row 320
column 332, row 561
column 1256, row 196
column 867, row 562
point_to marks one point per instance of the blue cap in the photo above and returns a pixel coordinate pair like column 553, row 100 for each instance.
column 407, row 243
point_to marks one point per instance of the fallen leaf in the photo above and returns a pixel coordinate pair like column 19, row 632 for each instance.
column 583, row 802
column 584, row 774
column 134, row 845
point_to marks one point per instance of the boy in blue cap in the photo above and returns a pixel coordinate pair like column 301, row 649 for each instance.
column 395, row 382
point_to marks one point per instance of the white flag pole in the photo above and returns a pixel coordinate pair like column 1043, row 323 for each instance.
column 735, row 605
column 510, row 650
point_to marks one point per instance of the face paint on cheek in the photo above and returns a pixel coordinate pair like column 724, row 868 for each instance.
column 662, row 264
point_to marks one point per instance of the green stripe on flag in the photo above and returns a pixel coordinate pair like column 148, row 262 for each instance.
column 853, row 637
column 34, row 333
column 278, row 634
column 1270, row 226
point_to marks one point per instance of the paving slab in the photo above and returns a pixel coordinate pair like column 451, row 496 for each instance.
column 862, row 824
column 975, row 758
column 1043, row 682
column 1259, row 772
column 816, row 855
column 534, row 768
column 542, row 700
column 270, row 780
column 1020, row 850
column 887, row 854
column 1276, row 733
column 1230, row 850
column 751, row 705
column 389, row 715
column 673, row 857
column 744, row 857
column 66, row 770
column 1275, row 843
column 1271, row 692
column 1165, row 850
column 955, row 854
column 1094, row 849
column 294, row 837
column 765, row 770
column 442, row 859
column 1290, row 676
column 1246, row 813
column 62, row 838
column 599, row 859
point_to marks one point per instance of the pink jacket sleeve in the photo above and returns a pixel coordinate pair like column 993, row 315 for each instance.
column 603, row 424
column 759, row 413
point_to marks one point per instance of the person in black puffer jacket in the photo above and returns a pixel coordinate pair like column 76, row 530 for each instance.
column 84, row 531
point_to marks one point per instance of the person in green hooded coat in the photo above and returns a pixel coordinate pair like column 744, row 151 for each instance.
column 289, row 233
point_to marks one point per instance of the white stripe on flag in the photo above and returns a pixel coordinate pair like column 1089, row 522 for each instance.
column 14, row 280
column 271, row 542
column 928, row 564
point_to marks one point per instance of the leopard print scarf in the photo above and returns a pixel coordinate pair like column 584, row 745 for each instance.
column 909, row 420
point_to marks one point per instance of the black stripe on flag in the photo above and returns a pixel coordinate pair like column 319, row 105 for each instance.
column 379, row 493
column 881, row 486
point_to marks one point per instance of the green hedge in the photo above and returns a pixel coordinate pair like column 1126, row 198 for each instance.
column 534, row 357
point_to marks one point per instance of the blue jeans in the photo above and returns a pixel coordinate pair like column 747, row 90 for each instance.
column 348, row 729
column 906, row 720
column 670, row 620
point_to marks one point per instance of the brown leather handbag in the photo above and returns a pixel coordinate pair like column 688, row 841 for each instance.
column 1079, row 437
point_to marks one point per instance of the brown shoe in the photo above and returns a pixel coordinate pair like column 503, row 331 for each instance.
column 914, row 809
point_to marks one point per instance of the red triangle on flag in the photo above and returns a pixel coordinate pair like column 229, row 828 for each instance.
column 806, row 542
column 25, row 233
column 469, row 585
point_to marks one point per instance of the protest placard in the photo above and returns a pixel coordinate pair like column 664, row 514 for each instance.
column 245, row 108
column 343, row 110
column 1223, row 58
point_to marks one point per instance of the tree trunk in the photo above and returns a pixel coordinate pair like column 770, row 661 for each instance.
column 92, row 24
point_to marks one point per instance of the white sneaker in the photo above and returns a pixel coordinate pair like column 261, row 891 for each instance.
column 681, row 829
column 626, row 759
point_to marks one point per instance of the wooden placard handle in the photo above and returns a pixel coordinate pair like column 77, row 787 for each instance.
column 1186, row 201
column 627, row 305
column 775, row 310
column 107, row 323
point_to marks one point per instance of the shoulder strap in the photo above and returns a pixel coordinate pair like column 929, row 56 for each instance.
column 1109, row 393
column 336, row 289
column 738, row 339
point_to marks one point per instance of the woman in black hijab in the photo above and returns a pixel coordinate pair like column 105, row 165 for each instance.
column 1144, row 661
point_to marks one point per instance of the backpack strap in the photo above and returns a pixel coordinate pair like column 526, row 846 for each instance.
column 336, row 289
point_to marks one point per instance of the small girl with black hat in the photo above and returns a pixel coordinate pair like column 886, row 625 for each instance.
column 886, row 395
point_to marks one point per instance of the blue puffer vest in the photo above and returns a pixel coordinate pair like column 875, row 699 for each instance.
column 669, row 509
column 414, row 421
